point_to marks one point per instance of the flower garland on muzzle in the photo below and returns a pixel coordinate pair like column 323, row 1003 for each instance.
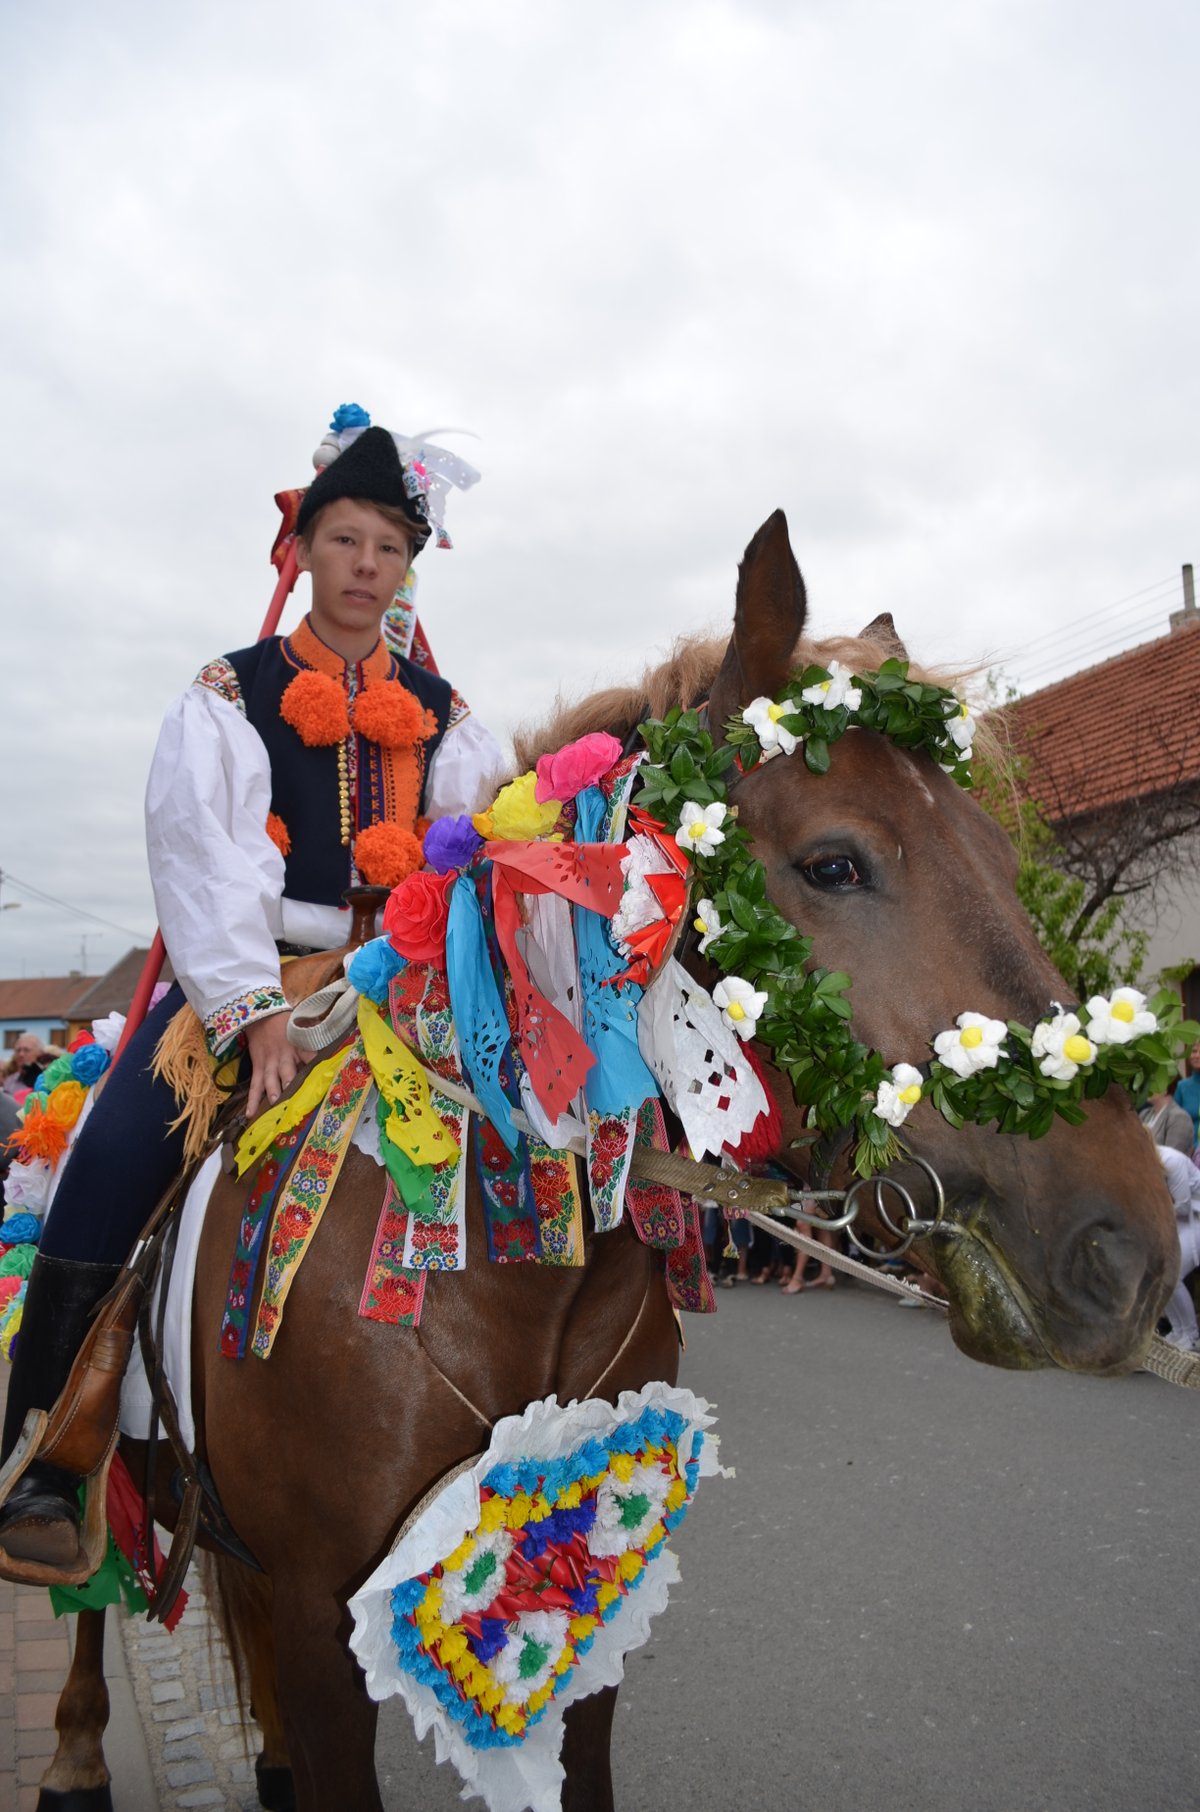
column 983, row 1071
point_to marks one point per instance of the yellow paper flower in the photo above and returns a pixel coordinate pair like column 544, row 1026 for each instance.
column 516, row 816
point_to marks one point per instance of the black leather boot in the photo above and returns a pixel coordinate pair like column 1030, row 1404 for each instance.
column 40, row 1520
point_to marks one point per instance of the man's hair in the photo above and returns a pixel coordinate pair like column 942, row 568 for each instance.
column 393, row 514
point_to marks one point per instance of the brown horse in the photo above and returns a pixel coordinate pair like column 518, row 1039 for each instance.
column 1057, row 1252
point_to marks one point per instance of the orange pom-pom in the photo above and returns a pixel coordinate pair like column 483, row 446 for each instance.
column 42, row 1136
column 315, row 706
column 385, row 855
column 278, row 832
column 388, row 713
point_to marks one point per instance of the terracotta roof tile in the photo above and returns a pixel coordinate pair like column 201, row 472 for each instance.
column 43, row 996
column 1125, row 729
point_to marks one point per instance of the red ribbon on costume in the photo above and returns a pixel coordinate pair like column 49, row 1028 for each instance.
column 589, row 875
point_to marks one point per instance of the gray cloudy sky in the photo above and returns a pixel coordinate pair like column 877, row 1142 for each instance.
column 926, row 276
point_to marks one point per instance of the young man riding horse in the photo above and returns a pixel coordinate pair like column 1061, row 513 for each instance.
column 285, row 774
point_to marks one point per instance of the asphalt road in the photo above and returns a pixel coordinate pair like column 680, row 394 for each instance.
column 931, row 1586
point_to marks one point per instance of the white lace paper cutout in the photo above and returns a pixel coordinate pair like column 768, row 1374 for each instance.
column 698, row 1062
column 639, row 907
column 548, row 945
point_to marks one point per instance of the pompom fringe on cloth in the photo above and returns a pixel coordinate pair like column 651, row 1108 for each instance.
column 522, row 1584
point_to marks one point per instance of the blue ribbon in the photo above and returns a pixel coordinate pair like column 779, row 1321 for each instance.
column 619, row 1078
column 479, row 1017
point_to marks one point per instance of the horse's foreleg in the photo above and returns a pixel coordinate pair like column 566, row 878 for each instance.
column 587, row 1736
column 243, row 1602
column 328, row 1719
column 78, row 1776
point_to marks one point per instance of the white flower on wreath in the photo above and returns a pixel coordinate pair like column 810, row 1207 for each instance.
column 707, row 921
column 961, row 728
column 1119, row 1017
column 700, row 827
column 763, row 716
column 898, row 1094
column 538, row 1637
column 740, row 1004
column 973, row 1043
column 472, row 1586
column 838, row 689
column 1061, row 1048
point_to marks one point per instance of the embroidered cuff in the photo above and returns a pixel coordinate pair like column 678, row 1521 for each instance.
column 223, row 1024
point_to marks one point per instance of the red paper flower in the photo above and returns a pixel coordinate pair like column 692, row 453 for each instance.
column 416, row 916
column 315, row 706
column 279, row 834
column 388, row 713
column 385, row 855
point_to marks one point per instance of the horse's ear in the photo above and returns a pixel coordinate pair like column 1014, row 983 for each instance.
column 768, row 622
column 882, row 631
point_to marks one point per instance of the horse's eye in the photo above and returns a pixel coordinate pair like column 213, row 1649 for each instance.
column 831, row 873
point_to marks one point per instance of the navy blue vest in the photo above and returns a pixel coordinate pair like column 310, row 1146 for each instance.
column 304, row 781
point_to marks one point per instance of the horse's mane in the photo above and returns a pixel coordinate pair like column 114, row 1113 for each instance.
column 685, row 678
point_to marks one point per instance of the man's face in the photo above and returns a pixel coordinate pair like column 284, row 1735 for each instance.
column 27, row 1050
column 1194, row 1057
column 358, row 561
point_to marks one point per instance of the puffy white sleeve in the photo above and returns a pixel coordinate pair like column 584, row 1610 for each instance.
column 217, row 876
column 468, row 769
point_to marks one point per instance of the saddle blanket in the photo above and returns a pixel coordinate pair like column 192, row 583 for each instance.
column 136, row 1398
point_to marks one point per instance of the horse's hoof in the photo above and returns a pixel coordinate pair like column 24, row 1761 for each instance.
column 77, row 1799
column 276, row 1787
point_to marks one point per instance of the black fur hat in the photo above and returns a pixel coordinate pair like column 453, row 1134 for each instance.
column 370, row 471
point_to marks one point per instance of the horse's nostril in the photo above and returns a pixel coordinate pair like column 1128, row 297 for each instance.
column 1103, row 1267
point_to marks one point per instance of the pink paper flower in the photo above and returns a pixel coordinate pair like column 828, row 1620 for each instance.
column 579, row 765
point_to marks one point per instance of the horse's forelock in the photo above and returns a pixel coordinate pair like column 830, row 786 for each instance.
column 684, row 679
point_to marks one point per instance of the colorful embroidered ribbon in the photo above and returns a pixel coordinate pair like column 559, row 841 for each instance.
column 308, row 1190
column 391, row 1293
column 413, row 1123
column 235, row 1323
column 435, row 1195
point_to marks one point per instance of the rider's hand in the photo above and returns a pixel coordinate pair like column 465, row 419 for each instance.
column 274, row 1061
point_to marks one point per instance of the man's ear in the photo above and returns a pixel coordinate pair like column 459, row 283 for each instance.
column 303, row 557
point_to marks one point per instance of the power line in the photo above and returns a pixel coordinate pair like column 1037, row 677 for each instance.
column 1063, row 661
column 1140, row 601
column 49, row 899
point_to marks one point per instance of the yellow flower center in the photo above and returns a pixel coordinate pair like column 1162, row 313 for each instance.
column 697, row 830
column 910, row 1095
column 963, row 711
column 700, row 926
column 1077, row 1049
column 971, row 1036
column 736, row 1010
column 774, row 712
column 1123, row 1011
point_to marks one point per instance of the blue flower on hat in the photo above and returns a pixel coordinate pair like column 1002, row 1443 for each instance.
column 349, row 415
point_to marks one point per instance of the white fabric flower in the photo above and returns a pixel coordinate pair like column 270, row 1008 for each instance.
column 28, row 1187
column 740, row 1004
column 898, row 1094
column 700, row 827
column 527, row 1660
column 962, row 728
column 973, row 1043
column 1119, row 1017
column 472, row 1586
column 763, row 716
column 837, row 690
column 1060, row 1045
column 708, row 921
